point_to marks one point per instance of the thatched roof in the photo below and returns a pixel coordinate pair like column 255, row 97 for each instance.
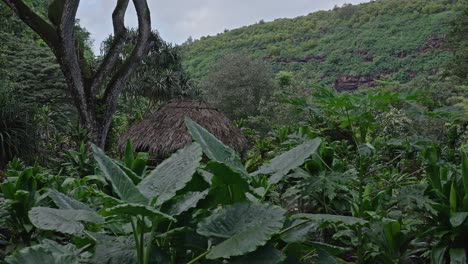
column 164, row 131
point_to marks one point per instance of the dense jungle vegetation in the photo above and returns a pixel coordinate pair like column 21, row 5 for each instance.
column 357, row 125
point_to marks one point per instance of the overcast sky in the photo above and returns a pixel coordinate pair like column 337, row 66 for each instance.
column 176, row 20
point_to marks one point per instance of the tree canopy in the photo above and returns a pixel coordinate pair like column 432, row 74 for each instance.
column 237, row 86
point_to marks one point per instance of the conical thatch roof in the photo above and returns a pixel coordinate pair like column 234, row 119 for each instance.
column 164, row 131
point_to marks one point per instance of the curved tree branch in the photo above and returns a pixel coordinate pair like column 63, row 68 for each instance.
column 117, row 82
column 118, row 43
column 44, row 29
column 60, row 37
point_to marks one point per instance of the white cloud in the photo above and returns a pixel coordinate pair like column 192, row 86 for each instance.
column 176, row 20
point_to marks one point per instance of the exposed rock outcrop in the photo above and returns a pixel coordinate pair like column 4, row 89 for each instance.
column 347, row 82
column 432, row 43
column 364, row 54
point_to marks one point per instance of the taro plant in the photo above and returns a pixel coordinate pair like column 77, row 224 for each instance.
column 393, row 241
column 181, row 212
column 448, row 188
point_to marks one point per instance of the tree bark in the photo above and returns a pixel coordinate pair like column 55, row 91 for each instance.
column 95, row 112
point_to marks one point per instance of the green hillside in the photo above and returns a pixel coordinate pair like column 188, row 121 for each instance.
column 350, row 46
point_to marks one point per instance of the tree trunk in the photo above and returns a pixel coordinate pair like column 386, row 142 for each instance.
column 58, row 32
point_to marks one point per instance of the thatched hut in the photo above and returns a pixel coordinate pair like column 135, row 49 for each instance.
column 164, row 131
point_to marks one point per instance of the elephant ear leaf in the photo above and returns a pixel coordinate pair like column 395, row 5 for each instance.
column 137, row 209
column 65, row 202
column 121, row 183
column 60, row 220
column 323, row 257
column 266, row 254
column 186, row 202
column 172, row 174
column 213, row 148
column 328, row 218
column 282, row 164
column 115, row 250
column 49, row 252
column 244, row 227
column 457, row 255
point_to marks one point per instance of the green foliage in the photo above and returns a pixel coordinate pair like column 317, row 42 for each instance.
column 458, row 66
column 16, row 125
column 78, row 162
column 238, row 86
column 448, row 190
column 30, row 70
column 373, row 176
column 157, row 208
column 213, row 148
column 377, row 195
column 376, row 38
column 47, row 252
column 243, row 227
column 62, row 220
column 19, row 191
column 158, row 79
column 121, row 182
column 171, row 175
column 282, row 164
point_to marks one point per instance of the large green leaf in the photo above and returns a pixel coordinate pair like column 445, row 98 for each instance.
column 437, row 255
column 244, row 226
column 347, row 220
column 323, row 257
column 65, row 202
column 49, row 252
column 172, row 174
column 65, row 221
column 264, row 255
column 136, row 209
column 213, row 148
column 128, row 154
column 115, row 250
column 187, row 201
column 107, row 200
column 282, row 164
column 332, row 249
column 457, row 219
column 392, row 231
column 457, row 256
column 121, row 183
column 412, row 197
column 130, row 173
column 176, row 231
column 227, row 185
column 299, row 231
column 453, row 198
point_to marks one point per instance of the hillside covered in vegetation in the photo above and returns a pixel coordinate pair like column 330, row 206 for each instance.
column 260, row 158
column 347, row 47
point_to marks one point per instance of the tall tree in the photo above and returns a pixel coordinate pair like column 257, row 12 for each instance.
column 94, row 91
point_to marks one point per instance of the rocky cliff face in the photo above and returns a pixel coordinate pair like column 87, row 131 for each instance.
column 348, row 82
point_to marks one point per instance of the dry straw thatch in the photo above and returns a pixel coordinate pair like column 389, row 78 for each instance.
column 164, row 131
